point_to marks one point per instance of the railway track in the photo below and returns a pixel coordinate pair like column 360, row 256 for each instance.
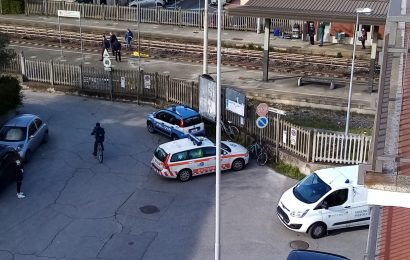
column 252, row 59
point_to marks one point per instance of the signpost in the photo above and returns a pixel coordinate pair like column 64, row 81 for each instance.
column 107, row 67
column 70, row 14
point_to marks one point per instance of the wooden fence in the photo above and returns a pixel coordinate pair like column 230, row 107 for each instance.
column 157, row 15
column 308, row 144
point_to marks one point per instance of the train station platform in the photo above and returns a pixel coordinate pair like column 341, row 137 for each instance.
column 280, row 88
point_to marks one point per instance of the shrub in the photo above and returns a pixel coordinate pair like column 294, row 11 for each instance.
column 10, row 93
column 339, row 55
column 288, row 170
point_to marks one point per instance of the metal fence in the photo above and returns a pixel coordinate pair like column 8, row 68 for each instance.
column 157, row 15
column 308, row 144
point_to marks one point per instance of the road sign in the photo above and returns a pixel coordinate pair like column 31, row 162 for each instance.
column 107, row 62
column 293, row 134
column 262, row 109
column 106, row 55
column 123, row 82
column 67, row 13
column 261, row 122
column 147, row 81
column 277, row 111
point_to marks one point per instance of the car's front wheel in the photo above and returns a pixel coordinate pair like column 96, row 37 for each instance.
column 238, row 164
column 27, row 156
column 184, row 175
column 317, row 230
column 45, row 138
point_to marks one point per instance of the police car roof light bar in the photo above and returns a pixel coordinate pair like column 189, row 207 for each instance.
column 195, row 140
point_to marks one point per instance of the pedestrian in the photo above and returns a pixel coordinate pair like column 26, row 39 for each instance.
column 117, row 50
column 321, row 33
column 311, row 32
column 113, row 39
column 128, row 38
column 19, row 178
column 104, row 46
column 363, row 38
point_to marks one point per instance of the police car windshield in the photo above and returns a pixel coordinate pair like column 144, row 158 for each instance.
column 160, row 154
column 311, row 189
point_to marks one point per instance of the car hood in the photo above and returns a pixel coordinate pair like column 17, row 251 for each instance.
column 291, row 203
column 12, row 144
column 236, row 148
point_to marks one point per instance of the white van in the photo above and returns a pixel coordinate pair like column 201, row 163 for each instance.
column 325, row 200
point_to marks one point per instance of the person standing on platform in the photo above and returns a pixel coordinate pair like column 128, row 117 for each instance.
column 104, row 45
column 311, row 32
column 321, row 33
column 117, row 50
column 128, row 38
column 113, row 39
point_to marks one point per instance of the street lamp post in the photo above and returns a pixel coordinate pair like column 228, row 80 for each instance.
column 358, row 11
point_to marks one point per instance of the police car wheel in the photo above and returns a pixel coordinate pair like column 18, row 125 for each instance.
column 317, row 230
column 150, row 127
column 238, row 165
column 184, row 175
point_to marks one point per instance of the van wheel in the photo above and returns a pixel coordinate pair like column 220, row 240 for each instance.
column 238, row 165
column 184, row 175
column 317, row 230
column 150, row 127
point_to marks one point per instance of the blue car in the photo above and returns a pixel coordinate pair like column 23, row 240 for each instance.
column 176, row 122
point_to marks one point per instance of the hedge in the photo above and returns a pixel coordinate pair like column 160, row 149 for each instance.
column 11, row 95
column 12, row 6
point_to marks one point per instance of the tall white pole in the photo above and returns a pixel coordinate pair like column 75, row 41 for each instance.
column 205, row 59
column 218, row 136
column 139, row 41
column 59, row 31
column 351, row 75
column 81, row 38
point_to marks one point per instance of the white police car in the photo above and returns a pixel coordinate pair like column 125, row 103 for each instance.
column 196, row 155
column 176, row 122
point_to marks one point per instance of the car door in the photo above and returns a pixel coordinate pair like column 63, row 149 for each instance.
column 32, row 136
column 159, row 122
column 210, row 158
column 40, row 128
column 197, row 162
column 335, row 209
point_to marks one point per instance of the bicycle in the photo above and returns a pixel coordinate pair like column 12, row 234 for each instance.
column 265, row 155
column 100, row 153
column 230, row 130
column 262, row 153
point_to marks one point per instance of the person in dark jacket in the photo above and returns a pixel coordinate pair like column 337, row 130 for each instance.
column 117, row 50
column 105, row 44
column 128, row 38
column 363, row 38
column 99, row 133
column 19, row 178
column 113, row 39
column 311, row 32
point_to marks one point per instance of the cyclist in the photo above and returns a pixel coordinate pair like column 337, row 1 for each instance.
column 99, row 137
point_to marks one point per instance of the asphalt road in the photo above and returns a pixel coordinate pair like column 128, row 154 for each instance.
column 77, row 208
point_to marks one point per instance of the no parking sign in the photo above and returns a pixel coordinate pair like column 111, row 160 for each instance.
column 261, row 122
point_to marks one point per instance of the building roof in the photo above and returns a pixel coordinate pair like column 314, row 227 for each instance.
column 323, row 10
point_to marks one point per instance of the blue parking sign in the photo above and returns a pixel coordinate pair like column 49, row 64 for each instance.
column 261, row 122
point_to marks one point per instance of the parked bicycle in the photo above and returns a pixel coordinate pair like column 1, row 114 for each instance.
column 230, row 130
column 262, row 153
